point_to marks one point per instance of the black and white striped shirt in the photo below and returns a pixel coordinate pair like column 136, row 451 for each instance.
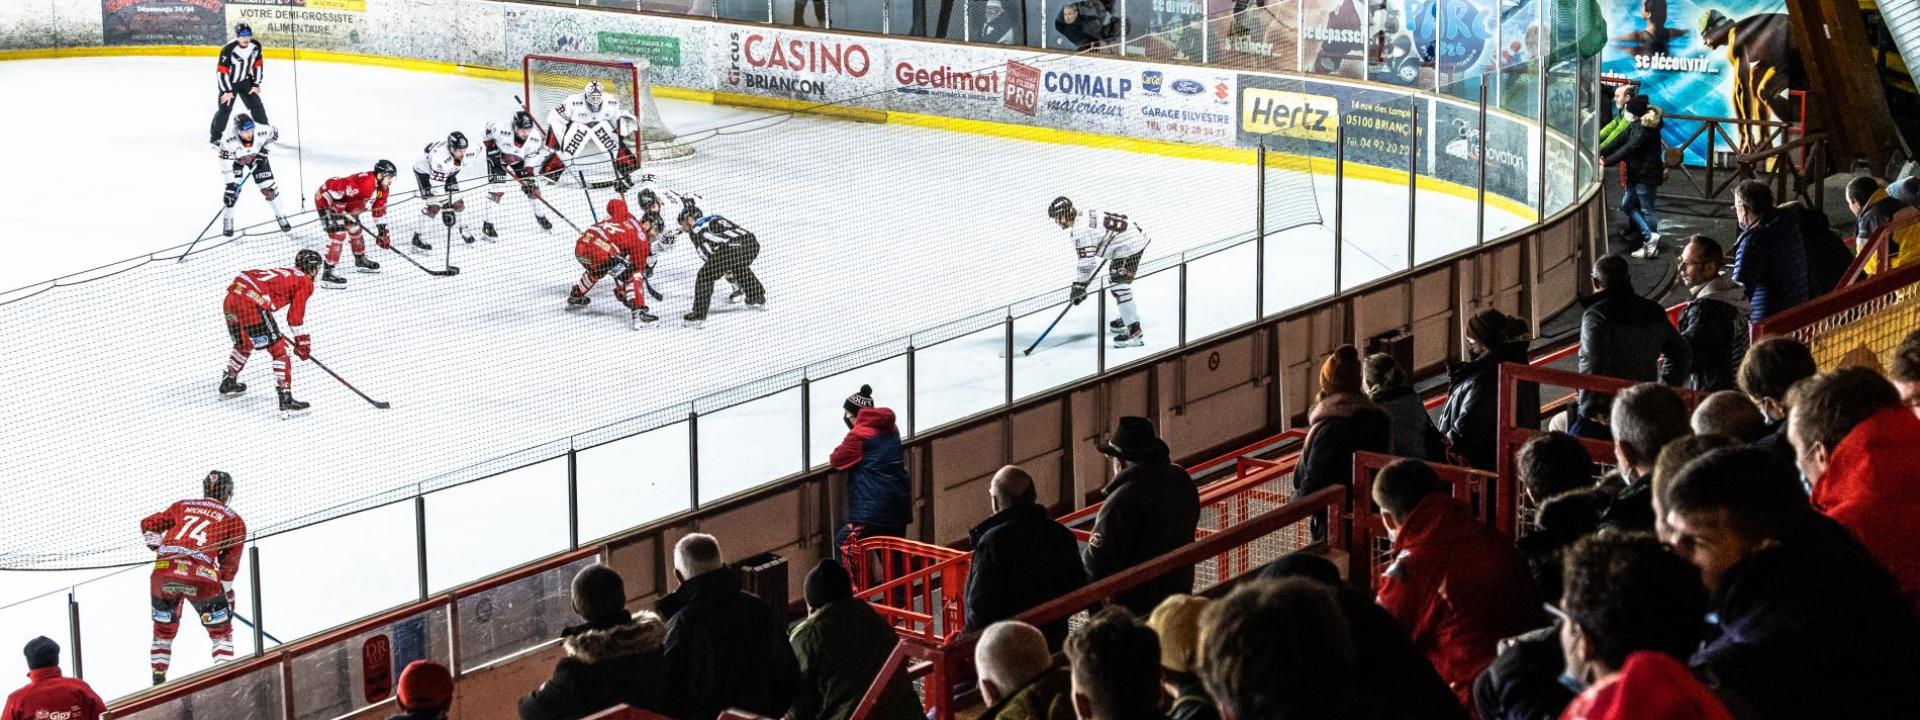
column 240, row 64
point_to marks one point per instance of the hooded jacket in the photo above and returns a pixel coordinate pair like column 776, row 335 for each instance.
column 1414, row 434
column 1021, row 558
column 1626, row 336
column 1872, row 489
column 1048, row 697
column 725, row 649
column 1152, row 508
column 1458, row 587
column 1640, row 150
column 1714, row 323
column 1771, row 263
column 48, row 695
column 1338, row 426
column 841, row 647
column 604, row 665
column 878, row 490
column 1649, row 686
column 1473, row 406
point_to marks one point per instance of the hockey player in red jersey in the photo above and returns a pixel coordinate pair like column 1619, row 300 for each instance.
column 197, row 545
column 251, row 301
column 340, row 201
column 616, row 246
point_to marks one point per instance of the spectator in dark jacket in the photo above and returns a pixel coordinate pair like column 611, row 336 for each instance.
column 1414, row 435
column 1282, row 649
column 425, row 692
column 1827, row 254
column 1343, row 422
column 1642, row 159
column 1714, row 322
column 1799, row 602
column 1524, row 682
column 1875, row 207
column 1551, row 464
column 1770, row 368
column 1562, row 520
column 1769, row 260
column 1021, row 557
column 879, row 493
column 1177, row 623
column 612, row 657
column 1018, row 678
column 1730, row 414
column 1473, row 404
column 1085, row 24
column 1860, row 448
column 1673, row 458
column 841, row 646
column 1645, row 418
column 1626, row 336
column 1633, row 617
column 1116, row 668
column 47, row 694
column 1151, row 509
column 724, row 648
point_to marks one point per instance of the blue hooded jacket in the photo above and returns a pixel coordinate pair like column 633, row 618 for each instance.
column 878, row 489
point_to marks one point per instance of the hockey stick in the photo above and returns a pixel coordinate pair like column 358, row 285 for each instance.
column 449, row 272
column 336, row 376
column 216, row 216
column 1102, row 250
column 249, row 623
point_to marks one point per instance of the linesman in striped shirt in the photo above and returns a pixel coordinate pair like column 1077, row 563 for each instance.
column 239, row 73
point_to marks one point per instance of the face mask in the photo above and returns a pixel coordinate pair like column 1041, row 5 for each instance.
column 1572, row 683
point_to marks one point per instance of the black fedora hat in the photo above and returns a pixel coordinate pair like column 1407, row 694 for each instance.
column 1134, row 439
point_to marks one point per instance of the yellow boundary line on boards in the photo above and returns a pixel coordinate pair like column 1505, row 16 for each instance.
column 1030, row 133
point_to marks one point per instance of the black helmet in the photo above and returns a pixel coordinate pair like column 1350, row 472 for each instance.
column 689, row 212
column 218, row 485
column 456, row 140
column 385, row 167
column 1060, row 208
column 308, row 261
column 242, row 30
column 242, row 122
column 523, row 120
column 647, row 198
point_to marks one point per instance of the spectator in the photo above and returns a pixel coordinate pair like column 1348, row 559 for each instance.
column 1473, row 405
column 842, row 646
column 1343, row 422
column 1859, row 447
column 1626, row 336
column 1551, row 464
column 1590, row 422
column 879, row 493
column 1455, row 584
column 1673, row 457
column 1021, row 557
column 1152, row 508
column 1394, row 672
column 1799, row 602
column 1018, row 680
column 1905, row 372
column 1769, row 260
column 1874, row 209
column 1085, row 24
column 1177, row 623
column 47, row 694
column 613, row 657
column 1643, row 166
column 1645, row 418
column 1525, row 681
column 1771, row 367
column 1633, row 616
column 1281, row 649
column 1116, row 668
column 1622, row 118
column 1731, row 414
column 1714, row 321
column 724, row 648
column 1414, row 435
column 1561, row 521
column 426, row 692
column 1827, row 254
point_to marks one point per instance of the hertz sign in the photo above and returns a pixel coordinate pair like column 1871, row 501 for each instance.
column 1268, row 111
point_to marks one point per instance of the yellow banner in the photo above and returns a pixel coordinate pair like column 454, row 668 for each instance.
column 1279, row 112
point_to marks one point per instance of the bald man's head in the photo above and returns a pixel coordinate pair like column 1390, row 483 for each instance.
column 1731, row 414
column 1011, row 486
column 1010, row 655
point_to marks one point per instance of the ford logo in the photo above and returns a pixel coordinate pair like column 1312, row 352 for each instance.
column 1188, row 87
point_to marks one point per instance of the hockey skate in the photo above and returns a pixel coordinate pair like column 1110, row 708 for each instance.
column 285, row 227
column 421, row 244
column 641, row 317
column 576, row 302
column 694, row 320
column 231, row 386
column 290, row 406
column 365, row 264
column 1116, row 326
column 757, row 304
column 545, row 224
column 226, row 226
column 466, row 234
column 330, row 280
column 1131, row 337
column 486, row 228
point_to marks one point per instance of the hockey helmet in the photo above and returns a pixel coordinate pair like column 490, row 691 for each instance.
column 689, row 213
column 648, row 200
column 456, row 140
column 592, row 94
column 308, row 261
column 243, row 123
column 1061, row 207
column 218, row 485
column 385, row 167
column 243, row 30
column 522, row 120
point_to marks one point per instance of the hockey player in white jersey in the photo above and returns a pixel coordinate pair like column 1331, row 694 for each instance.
column 1114, row 239
column 244, row 150
column 591, row 122
column 518, row 154
column 440, row 164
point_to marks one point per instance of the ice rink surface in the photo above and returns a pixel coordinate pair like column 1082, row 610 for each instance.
column 869, row 233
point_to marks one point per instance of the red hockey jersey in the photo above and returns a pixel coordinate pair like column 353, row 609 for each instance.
column 275, row 289
column 352, row 194
column 201, row 530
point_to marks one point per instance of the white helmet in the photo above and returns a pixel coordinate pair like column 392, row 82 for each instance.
column 592, row 94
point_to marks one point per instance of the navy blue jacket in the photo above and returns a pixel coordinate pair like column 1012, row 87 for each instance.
column 878, row 489
column 1771, row 263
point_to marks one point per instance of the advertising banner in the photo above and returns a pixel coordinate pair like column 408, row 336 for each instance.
column 163, row 22
column 333, row 24
column 1456, row 36
column 1458, row 147
column 674, row 47
column 1715, row 58
column 1255, row 35
column 804, row 66
column 1333, row 37
column 1379, row 125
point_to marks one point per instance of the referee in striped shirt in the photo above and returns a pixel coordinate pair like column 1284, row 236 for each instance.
column 240, row 68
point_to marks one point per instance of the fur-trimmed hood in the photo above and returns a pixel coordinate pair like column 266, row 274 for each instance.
column 647, row 633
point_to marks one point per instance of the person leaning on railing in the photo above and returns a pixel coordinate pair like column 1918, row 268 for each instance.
column 611, row 657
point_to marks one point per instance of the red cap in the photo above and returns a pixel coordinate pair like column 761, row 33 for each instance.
column 425, row 685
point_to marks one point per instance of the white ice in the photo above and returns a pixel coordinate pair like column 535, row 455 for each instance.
column 870, row 234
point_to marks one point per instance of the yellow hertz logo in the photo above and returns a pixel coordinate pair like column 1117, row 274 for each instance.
column 1279, row 112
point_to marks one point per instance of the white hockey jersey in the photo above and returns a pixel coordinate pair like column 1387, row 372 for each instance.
column 234, row 151
column 574, row 109
column 438, row 164
column 528, row 153
column 1100, row 235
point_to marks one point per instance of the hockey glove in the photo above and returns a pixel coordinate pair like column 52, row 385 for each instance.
column 447, row 217
column 527, row 186
column 1079, row 292
column 303, row 347
column 381, row 237
column 622, row 183
column 334, row 222
column 232, row 194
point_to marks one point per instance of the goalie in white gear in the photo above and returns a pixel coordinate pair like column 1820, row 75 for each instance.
column 516, row 153
column 1115, row 240
column 440, row 164
column 591, row 116
column 243, row 151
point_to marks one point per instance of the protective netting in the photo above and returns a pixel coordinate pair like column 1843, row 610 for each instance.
column 550, row 79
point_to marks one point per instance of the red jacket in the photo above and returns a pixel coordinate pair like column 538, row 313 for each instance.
column 48, row 696
column 1458, row 587
column 1872, row 486
column 1651, row 686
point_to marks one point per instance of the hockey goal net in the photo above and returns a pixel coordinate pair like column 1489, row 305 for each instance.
column 548, row 80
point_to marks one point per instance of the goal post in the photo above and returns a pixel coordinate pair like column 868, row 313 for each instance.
column 547, row 81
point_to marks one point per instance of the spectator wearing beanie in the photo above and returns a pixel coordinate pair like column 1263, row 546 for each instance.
column 425, row 692
column 1633, row 615
column 1021, row 557
column 1389, row 668
column 1905, row 371
column 1623, row 335
column 725, row 648
column 1177, row 623
column 1860, row 448
column 1343, row 422
column 1152, row 508
column 47, row 694
column 613, row 657
column 1769, row 259
column 1473, row 403
column 879, row 493
column 1414, row 435
column 841, row 646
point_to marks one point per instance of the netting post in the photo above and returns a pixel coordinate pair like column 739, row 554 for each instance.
column 806, row 424
column 1183, row 302
column 1100, row 348
column 259, row 614
column 693, row 460
column 1480, row 196
column 1413, row 179
column 420, row 541
column 1009, row 344
column 73, row 634
column 1259, row 230
column 910, row 388
column 1339, row 205
column 573, row 498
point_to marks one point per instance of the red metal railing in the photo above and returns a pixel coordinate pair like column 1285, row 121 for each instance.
column 1876, row 250
column 1369, row 554
column 923, row 599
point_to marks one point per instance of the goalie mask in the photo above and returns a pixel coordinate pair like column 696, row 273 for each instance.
column 592, row 95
